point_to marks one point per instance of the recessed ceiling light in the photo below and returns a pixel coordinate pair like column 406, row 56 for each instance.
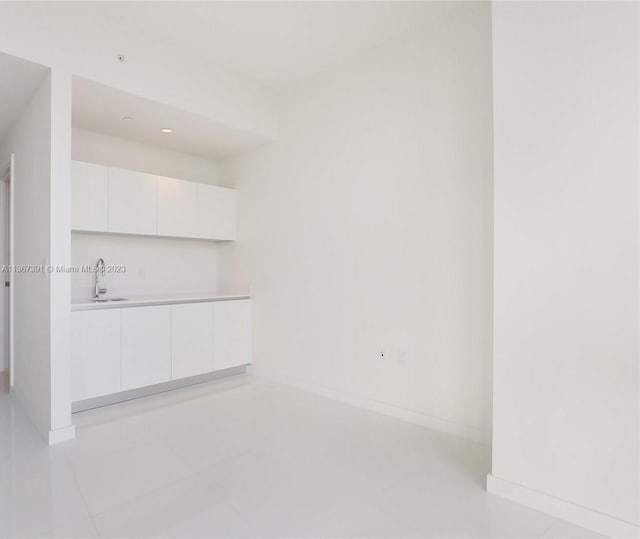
column 126, row 118
column 166, row 130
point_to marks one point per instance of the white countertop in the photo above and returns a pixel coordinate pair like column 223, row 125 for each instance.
column 86, row 304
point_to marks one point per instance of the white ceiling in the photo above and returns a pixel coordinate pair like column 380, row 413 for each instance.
column 101, row 108
column 275, row 44
column 18, row 81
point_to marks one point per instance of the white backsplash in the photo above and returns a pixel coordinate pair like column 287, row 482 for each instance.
column 153, row 265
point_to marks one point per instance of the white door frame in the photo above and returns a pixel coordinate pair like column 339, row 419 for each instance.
column 6, row 228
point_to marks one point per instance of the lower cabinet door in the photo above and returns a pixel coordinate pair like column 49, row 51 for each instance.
column 95, row 353
column 191, row 339
column 146, row 346
column 232, row 333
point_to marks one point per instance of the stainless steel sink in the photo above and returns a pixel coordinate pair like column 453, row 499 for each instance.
column 107, row 300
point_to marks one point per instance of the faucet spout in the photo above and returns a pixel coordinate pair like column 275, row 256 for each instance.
column 100, row 270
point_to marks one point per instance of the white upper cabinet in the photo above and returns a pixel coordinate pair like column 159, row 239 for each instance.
column 177, row 207
column 105, row 199
column 216, row 212
column 132, row 202
column 89, row 184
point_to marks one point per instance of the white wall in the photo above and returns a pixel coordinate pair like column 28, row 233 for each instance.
column 116, row 152
column 368, row 226
column 60, row 253
column 69, row 36
column 566, row 377
column 30, row 140
column 154, row 265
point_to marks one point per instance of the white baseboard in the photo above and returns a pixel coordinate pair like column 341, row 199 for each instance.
column 62, row 435
column 411, row 416
column 578, row 515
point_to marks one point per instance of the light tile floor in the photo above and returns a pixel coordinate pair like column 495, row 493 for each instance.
column 245, row 457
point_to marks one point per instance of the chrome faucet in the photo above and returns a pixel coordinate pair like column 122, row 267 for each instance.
column 99, row 271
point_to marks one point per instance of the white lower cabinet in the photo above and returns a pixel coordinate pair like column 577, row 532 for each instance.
column 117, row 349
column 95, row 353
column 146, row 346
column 232, row 333
column 191, row 339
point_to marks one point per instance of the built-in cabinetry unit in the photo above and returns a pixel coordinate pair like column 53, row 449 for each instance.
column 131, row 202
column 95, row 352
column 120, row 349
column 145, row 351
column 232, row 320
column 89, row 195
column 216, row 212
column 113, row 200
column 192, row 339
column 177, row 207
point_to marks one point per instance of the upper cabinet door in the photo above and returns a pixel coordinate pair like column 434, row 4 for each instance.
column 216, row 212
column 132, row 202
column 177, row 207
column 89, row 196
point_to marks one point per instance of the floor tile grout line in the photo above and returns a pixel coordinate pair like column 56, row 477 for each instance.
column 77, row 484
column 174, row 482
